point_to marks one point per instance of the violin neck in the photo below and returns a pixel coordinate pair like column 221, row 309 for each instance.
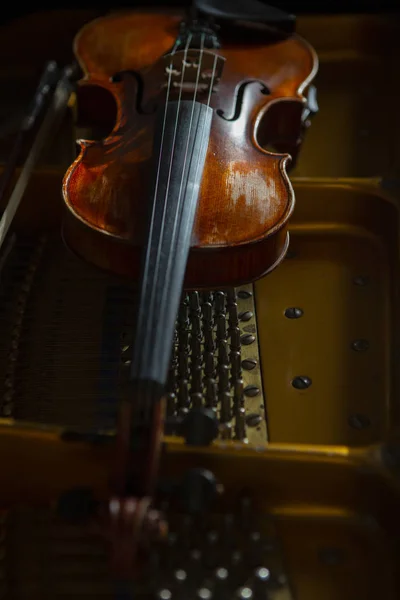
column 180, row 146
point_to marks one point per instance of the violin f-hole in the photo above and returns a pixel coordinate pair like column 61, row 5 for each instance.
column 121, row 76
column 239, row 99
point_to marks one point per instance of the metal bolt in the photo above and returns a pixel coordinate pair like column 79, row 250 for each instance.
column 360, row 345
column 245, row 315
column 180, row 575
column 245, row 593
column 262, row 574
column 301, row 382
column 221, row 574
column 247, row 339
column 361, row 280
column 253, row 419
column 244, row 294
column 293, row 312
column 204, row 594
column 251, row 391
column 359, row 421
column 249, row 364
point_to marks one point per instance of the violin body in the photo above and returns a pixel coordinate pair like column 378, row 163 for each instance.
column 244, row 197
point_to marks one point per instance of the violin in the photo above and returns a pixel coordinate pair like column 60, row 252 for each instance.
column 182, row 192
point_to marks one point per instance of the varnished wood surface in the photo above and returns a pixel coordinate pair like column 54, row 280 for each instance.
column 245, row 194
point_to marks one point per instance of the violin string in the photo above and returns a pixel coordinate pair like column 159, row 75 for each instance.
column 143, row 401
column 149, row 339
column 138, row 416
column 141, row 315
column 173, row 241
column 178, row 215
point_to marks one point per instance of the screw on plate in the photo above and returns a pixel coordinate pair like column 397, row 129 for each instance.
column 245, row 315
column 360, row 345
column 249, row 364
column 244, row 294
column 253, row 419
column 293, row 312
column 247, row 339
column 359, row 421
column 251, row 391
column 361, row 280
column 301, row 382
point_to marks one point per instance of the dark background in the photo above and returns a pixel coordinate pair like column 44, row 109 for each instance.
column 297, row 7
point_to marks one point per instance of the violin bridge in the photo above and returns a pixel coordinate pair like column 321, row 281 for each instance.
column 181, row 70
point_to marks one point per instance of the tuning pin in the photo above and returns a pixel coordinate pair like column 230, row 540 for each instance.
column 262, row 578
column 164, row 594
column 204, row 594
column 219, row 301
column 207, row 312
column 183, row 365
column 221, row 326
column 244, row 593
column 194, row 301
column 180, row 576
column 183, row 314
column 196, row 378
column 207, row 297
column 226, row 431
column 235, row 338
column 209, row 345
column 231, row 295
column 195, row 344
column 233, row 316
column 183, row 339
column 225, row 404
column 240, row 424
column 223, row 358
column 209, row 366
column 236, row 365
column 183, row 394
column 196, row 399
column 196, row 326
column 223, row 373
column 171, row 404
column 221, row 591
column 211, row 393
column 238, row 393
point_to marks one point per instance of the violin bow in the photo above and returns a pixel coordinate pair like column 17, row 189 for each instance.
column 48, row 127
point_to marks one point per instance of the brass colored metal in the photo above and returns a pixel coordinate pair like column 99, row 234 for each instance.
column 333, row 510
column 346, row 338
column 254, row 405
